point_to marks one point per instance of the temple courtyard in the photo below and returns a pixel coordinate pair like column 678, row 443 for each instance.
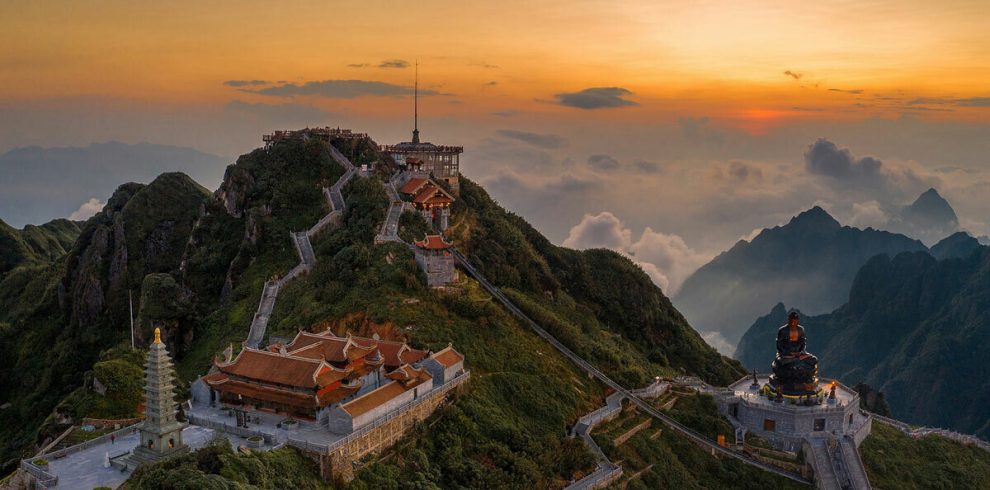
column 85, row 469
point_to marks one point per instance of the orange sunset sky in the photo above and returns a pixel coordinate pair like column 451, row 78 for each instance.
column 676, row 128
column 727, row 60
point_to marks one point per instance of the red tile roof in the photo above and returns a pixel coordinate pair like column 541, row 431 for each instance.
column 221, row 382
column 413, row 185
column 369, row 401
column 432, row 242
column 448, row 357
column 274, row 368
column 432, row 194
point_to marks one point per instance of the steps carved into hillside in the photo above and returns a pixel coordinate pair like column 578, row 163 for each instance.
column 304, row 248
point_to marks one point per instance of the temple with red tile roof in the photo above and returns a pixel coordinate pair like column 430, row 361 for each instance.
column 317, row 372
column 435, row 260
column 429, row 199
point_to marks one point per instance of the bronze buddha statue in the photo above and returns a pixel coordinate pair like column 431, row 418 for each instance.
column 795, row 371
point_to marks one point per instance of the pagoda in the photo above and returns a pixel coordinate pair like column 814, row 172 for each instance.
column 161, row 433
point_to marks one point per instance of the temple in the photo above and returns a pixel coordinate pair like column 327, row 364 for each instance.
column 435, row 260
column 428, row 199
column 796, row 412
column 342, row 382
column 441, row 162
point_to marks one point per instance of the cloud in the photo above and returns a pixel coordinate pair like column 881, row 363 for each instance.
column 794, row 75
column 279, row 113
column 646, row 167
column 868, row 214
column 741, row 172
column 700, row 130
column 854, row 91
column 720, row 343
column 666, row 258
column 604, row 163
column 394, row 64
column 491, row 83
column 508, row 113
column 825, row 158
column 87, row 210
column 245, row 83
column 357, row 65
column 602, row 230
column 596, row 98
column 342, row 89
column 961, row 102
column 546, row 141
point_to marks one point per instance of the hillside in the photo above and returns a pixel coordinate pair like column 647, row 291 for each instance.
column 911, row 321
column 811, row 261
column 196, row 266
column 35, row 245
column 56, row 318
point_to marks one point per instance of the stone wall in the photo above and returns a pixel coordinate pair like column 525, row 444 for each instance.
column 338, row 464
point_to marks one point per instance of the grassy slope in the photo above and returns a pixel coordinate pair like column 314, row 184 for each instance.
column 34, row 245
column 894, row 460
column 670, row 461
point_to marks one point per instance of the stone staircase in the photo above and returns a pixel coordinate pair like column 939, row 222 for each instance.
column 304, row 248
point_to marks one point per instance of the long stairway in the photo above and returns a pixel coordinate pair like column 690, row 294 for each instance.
column 304, row 248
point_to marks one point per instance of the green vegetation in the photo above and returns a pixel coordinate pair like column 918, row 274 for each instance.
column 412, row 227
column 217, row 466
column 895, row 460
column 121, row 372
column 658, row 457
column 35, row 245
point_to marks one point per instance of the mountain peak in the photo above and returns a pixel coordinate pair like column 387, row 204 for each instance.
column 957, row 245
column 814, row 218
column 931, row 211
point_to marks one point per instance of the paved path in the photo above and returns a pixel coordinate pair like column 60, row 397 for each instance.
column 586, row 366
column 84, row 469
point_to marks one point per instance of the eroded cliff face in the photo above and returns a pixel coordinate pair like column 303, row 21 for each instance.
column 143, row 229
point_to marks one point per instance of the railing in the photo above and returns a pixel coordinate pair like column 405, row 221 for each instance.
column 646, row 407
column 926, row 431
column 231, row 429
column 47, row 479
column 601, row 477
column 400, row 410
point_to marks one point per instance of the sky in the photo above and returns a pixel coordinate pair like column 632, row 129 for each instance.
column 666, row 130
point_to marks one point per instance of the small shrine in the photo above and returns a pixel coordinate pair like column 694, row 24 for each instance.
column 435, row 260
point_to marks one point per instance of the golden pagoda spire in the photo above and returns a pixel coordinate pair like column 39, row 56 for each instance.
column 158, row 335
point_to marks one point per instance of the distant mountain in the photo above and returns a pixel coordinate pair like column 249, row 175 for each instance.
column 35, row 244
column 40, row 184
column 959, row 245
column 929, row 218
column 811, row 261
column 915, row 328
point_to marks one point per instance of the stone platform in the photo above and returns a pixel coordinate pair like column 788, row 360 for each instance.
column 787, row 424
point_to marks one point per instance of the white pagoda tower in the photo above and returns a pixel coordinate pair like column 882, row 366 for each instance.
column 161, row 433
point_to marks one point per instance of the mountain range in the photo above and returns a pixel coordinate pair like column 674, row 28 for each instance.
column 810, row 261
column 40, row 184
column 195, row 263
column 915, row 327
